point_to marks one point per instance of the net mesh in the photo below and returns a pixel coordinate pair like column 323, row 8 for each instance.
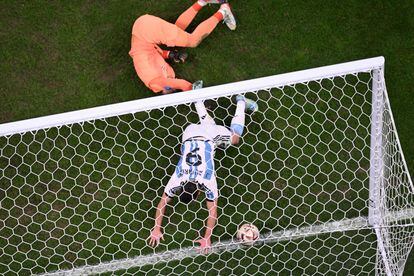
column 81, row 198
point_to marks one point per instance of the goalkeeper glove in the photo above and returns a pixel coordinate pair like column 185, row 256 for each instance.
column 167, row 90
column 177, row 56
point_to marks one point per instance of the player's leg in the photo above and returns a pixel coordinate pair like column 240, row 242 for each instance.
column 205, row 118
column 185, row 39
column 237, row 123
column 243, row 104
column 185, row 19
column 167, row 85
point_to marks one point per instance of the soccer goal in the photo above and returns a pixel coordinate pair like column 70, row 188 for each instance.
column 320, row 171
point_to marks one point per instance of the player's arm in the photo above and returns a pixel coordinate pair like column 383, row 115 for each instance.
column 205, row 242
column 237, row 123
column 156, row 233
column 169, row 85
column 212, row 218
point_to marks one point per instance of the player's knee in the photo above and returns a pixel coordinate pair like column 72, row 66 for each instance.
column 194, row 43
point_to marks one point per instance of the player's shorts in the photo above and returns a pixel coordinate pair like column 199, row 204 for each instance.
column 196, row 165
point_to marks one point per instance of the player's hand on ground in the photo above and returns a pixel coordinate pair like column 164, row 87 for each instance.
column 155, row 237
column 205, row 245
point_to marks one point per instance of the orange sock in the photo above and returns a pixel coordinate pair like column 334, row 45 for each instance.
column 219, row 16
column 197, row 7
column 165, row 54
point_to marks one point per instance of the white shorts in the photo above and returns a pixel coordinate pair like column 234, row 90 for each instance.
column 208, row 187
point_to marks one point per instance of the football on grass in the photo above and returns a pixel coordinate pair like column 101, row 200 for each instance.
column 248, row 234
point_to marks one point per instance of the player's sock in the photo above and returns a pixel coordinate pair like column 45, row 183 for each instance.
column 197, row 6
column 205, row 118
column 237, row 123
column 165, row 54
column 251, row 105
column 219, row 15
column 202, row 31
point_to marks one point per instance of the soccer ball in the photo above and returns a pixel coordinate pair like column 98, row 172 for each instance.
column 248, row 233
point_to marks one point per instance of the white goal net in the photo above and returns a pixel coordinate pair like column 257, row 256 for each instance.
column 320, row 172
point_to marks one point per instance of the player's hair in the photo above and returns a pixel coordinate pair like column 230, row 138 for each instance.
column 189, row 192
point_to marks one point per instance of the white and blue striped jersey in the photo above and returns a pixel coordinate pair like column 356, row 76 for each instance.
column 197, row 159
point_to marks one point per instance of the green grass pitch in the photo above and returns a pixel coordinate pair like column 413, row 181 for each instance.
column 63, row 56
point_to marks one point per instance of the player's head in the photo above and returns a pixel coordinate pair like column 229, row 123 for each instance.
column 189, row 193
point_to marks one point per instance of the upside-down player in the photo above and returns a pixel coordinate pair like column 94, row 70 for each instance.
column 195, row 170
column 149, row 31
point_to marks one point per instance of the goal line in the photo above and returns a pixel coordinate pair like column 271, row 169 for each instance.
column 353, row 224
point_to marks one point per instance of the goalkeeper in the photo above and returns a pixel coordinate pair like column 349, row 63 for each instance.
column 195, row 169
column 149, row 32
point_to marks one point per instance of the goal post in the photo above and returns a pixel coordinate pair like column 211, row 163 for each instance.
column 320, row 171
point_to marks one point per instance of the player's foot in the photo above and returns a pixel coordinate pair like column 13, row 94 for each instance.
column 251, row 105
column 198, row 85
column 228, row 16
column 214, row 1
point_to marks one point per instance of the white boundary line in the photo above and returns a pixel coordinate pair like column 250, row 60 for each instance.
column 191, row 96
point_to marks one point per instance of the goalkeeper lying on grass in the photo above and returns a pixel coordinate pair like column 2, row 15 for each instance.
column 195, row 170
column 149, row 32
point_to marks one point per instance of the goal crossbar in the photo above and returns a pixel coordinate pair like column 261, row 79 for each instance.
column 191, row 96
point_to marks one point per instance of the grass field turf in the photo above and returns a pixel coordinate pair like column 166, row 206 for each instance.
column 67, row 56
